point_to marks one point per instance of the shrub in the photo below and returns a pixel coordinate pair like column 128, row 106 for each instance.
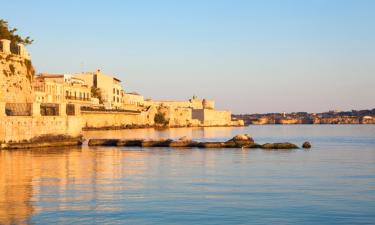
column 160, row 119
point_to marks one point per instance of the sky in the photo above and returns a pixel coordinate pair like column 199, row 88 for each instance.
column 249, row 56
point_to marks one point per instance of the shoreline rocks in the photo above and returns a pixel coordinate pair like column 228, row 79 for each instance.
column 44, row 141
column 239, row 141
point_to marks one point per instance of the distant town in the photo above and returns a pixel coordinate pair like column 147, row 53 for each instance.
column 366, row 116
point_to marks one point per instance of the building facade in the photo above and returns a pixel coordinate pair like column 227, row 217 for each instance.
column 108, row 87
column 61, row 88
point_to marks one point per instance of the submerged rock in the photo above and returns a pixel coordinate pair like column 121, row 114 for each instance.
column 285, row 145
column 306, row 144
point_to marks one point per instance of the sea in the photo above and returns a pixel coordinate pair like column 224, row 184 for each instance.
column 331, row 183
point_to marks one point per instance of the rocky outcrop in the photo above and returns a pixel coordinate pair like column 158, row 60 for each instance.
column 239, row 141
column 16, row 75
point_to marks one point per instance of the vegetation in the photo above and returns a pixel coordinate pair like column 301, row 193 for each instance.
column 96, row 93
column 160, row 119
column 10, row 33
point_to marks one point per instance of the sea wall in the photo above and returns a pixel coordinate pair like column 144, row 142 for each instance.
column 97, row 120
column 210, row 117
column 25, row 128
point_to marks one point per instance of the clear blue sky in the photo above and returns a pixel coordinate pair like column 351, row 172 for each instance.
column 250, row 56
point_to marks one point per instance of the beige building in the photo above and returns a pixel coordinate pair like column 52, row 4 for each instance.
column 61, row 88
column 133, row 101
column 111, row 91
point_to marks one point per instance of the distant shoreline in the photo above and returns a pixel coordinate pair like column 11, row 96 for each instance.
column 331, row 117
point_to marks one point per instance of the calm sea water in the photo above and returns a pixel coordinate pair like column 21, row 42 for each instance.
column 333, row 183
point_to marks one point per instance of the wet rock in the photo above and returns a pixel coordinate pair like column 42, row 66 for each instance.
column 306, row 144
column 285, row 145
column 183, row 142
column 211, row 145
column 130, row 143
column 254, row 145
column 103, row 142
column 157, row 143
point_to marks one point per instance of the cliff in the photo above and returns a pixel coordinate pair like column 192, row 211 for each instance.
column 16, row 75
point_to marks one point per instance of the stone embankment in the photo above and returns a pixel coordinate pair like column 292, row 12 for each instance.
column 239, row 141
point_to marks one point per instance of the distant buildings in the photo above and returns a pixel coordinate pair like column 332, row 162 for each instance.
column 330, row 117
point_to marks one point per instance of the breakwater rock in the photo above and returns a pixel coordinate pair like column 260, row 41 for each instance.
column 44, row 141
column 239, row 141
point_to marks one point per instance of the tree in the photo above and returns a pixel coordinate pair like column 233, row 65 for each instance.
column 10, row 34
column 96, row 93
column 160, row 119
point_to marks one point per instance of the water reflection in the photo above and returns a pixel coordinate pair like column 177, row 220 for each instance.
column 60, row 177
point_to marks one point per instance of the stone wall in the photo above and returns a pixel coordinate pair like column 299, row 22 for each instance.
column 25, row 128
column 210, row 117
column 97, row 120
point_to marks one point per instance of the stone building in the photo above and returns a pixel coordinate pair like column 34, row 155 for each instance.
column 57, row 88
column 111, row 91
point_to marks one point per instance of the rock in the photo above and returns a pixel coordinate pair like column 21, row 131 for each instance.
column 254, row 145
column 211, row 145
column 184, row 139
column 285, row 145
column 130, row 143
column 183, row 142
column 103, row 142
column 240, row 140
column 242, row 137
column 306, row 144
column 157, row 143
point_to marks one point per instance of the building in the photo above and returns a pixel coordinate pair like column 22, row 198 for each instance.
column 133, row 101
column 109, row 89
column 61, row 88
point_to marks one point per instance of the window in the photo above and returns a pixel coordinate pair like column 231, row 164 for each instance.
column 114, row 91
column 114, row 98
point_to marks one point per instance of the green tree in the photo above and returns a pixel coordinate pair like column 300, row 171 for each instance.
column 10, row 33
